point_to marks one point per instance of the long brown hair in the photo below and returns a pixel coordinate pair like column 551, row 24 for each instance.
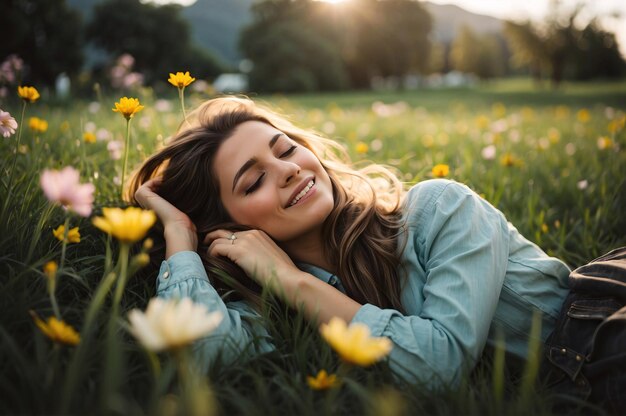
column 362, row 230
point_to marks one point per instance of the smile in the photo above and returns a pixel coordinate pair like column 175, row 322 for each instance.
column 302, row 193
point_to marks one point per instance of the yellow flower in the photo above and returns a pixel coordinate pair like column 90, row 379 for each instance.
column 142, row 259
column 56, row 330
column 148, row 244
column 29, row 94
column 604, row 143
column 322, row 381
column 615, row 126
column 554, row 135
column 181, row 80
column 128, row 107
column 362, row 148
column 73, row 236
column 38, row 125
column 50, row 269
column 482, row 122
column 127, row 225
column 583, row 115
column 353, row 343
column 441, row 170
column 428, row 141
column 89, row 137
column 544, row 228
column 508, row 160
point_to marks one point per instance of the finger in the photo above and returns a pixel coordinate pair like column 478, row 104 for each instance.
column 214, row 235
column 222, row 247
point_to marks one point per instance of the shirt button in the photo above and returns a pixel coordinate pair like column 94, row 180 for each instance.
column 563, row 351
column 166, row 275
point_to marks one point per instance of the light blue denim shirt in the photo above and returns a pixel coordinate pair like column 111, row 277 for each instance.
column 466, row 271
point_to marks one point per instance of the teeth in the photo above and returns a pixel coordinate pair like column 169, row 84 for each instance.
column 302, row 192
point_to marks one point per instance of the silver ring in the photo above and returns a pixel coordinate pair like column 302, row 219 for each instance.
column 232, row 238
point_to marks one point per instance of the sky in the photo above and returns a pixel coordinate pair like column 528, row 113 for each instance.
column 606, row 10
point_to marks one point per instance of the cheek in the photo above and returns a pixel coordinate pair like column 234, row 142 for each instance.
column 256, row 210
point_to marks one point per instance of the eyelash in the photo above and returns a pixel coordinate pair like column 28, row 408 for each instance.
column 257, row 184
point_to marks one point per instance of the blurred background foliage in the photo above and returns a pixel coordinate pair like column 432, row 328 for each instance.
column 299, row 45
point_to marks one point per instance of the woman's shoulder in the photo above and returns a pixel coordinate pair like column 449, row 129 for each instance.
column 429, row 191
column 437, row 198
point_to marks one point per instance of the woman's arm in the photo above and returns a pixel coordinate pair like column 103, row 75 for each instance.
column 259, row 256
column 461, row 244
column 182, row 274
column 240, row 332
column 179, row 232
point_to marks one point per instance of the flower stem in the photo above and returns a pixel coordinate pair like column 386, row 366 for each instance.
column 76, row 366
column 126, row 148
column 64, row 246
column 17, row 146
column 121, row 281
column 53, row 300
column 181, row 96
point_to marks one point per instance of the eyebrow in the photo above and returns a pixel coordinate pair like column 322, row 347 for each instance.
column 253, row 161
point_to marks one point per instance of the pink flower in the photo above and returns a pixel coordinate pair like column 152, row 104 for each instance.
column 115, row 149
column 7, row 124
column 63, row 187
column 489, row 152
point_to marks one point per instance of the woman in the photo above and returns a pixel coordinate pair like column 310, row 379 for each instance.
column 436, row 269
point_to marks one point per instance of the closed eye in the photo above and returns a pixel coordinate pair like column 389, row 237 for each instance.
column 289, row 151
column 255, row 185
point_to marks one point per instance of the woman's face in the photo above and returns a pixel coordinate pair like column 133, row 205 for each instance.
column 269, row 182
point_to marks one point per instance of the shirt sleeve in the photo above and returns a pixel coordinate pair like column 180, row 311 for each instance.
column 462, row 243
column 240, row 331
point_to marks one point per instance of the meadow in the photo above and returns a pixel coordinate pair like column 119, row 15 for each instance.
column 554, row 162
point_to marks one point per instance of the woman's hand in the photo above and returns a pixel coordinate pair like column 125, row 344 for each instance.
column 257, row 254
column 179, row 231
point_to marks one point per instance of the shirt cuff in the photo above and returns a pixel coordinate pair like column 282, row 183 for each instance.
column 375, row 318
column 180, row 266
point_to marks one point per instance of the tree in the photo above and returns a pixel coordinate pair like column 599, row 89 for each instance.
column 390, row 39
column 463, row 56
column 491, row 61
column 598, row 55
column 560, row 48
column 45, row 34
column 288, row 53
column 290, row 58
column 528, row 49
column 156, row 36
column 364, row 38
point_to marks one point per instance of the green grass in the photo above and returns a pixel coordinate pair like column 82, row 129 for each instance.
column 555, row 150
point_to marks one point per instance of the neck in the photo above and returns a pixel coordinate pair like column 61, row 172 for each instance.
column 309, row 249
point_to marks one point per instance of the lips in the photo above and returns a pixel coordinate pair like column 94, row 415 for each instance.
column 301, row 191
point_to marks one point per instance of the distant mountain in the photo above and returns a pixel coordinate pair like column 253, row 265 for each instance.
column 216, row 24
column 448, row 19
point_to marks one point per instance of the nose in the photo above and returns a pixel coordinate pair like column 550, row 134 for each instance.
column 288, row 172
